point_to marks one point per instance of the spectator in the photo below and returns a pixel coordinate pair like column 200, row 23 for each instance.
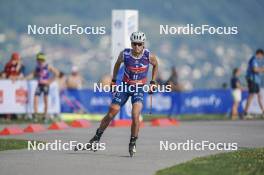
column 13, row 69
column 43, row 73
column 62, row 81
column 75, row 80
column 253, row 79
column 173, row 80
column 236, row 93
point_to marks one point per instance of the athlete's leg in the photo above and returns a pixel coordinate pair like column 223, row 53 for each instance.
column 253, row 89
column 113, row 110
column 36, row 98
column 249, row 101
column 260, row 102
column 136, row 110
column 45, row 104
column 36, row 104
column 46, row 95
column 119, row 99
column 137, row 104
column 234, row 113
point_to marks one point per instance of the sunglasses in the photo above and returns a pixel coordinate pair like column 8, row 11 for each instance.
column 41, row 60
column 137, row 44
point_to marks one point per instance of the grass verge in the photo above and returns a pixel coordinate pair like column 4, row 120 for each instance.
column 243, row 162
column 10, row 144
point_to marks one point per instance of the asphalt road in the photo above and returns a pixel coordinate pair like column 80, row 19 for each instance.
column 115, row 160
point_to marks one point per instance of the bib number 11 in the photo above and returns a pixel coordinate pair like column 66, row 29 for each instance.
column 135, row 76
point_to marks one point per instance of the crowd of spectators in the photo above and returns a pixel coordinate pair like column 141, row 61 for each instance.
column 14, row 70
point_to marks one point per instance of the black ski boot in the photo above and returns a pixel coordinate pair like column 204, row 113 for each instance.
column 132, row 146
column 93, row 144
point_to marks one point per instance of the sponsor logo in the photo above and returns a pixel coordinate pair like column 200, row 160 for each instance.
column 160, row 102
column 197, row 101
column 21, row 96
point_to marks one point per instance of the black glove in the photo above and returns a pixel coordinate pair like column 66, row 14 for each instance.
column 113, row 84
column 152, row 87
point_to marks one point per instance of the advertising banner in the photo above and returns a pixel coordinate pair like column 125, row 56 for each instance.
column 18, row 97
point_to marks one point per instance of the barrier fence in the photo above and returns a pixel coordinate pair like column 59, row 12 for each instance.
column 173, row 103
column 17, row 97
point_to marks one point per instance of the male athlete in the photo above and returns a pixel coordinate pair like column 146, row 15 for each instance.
column 254, row 79
column 136, row 63
column 43, row 74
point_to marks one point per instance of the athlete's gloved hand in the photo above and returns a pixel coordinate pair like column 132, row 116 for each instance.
column 152, row 87
column 113, row 85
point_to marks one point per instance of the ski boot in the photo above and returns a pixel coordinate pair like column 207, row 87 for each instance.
column 132, row 146
column 93, row 144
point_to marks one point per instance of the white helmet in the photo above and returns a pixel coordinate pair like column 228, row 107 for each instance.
column 138, row 37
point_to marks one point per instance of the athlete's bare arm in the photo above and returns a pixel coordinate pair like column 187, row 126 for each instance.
column 18, row 67
column 119, row 61
column 258, row 69
column 55, row 72
column 154, row 62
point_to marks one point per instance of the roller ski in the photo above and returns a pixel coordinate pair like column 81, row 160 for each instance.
column 92, row 145
column 132, row 147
